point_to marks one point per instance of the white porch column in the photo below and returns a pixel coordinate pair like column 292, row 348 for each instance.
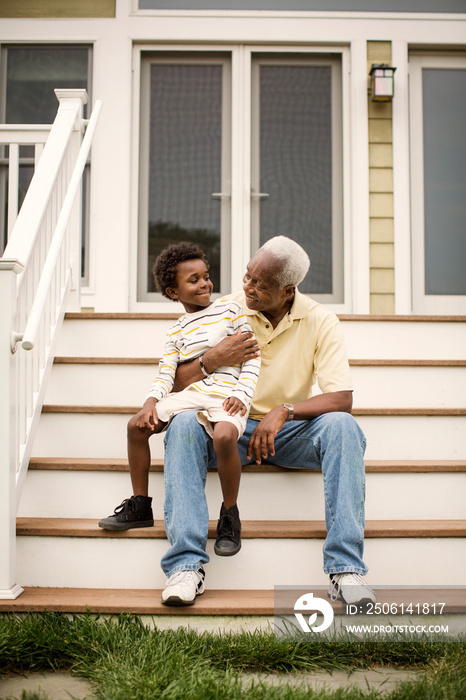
column 360, row 178
column 9, row 589
column 401, row 179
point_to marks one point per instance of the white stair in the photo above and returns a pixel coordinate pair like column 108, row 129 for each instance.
column 410, row 382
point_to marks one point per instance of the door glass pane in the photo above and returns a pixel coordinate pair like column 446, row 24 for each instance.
column 444, row 109
column 296, row 169
column 185, row 161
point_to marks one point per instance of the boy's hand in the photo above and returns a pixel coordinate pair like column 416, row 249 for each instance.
column 147, row 416
column 233, row 405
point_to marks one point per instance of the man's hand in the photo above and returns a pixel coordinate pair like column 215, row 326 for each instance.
column 147, row 416
column 262, row 441
column 233, row 405
column 232, row 350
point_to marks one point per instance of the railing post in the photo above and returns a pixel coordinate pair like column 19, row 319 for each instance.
column 9, row 589
column 71, row 98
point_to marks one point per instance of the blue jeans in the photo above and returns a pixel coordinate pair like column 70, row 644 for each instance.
column 333, row 442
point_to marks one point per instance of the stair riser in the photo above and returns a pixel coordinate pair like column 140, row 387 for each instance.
column 113, row 338
column 388, row 437
column 401, row 340
column 389, row 387
column 96, row 563
column 289, row 496
column 376, row 339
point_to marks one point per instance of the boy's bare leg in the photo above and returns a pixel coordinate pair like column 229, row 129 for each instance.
column 228, row 540
column 139, row 455
column 228, row 461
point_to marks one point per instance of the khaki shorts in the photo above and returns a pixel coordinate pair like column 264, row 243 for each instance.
column 209, row 405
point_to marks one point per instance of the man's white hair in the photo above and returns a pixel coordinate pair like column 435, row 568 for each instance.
column 294, row 260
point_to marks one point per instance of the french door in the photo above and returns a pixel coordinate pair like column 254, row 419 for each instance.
column 235, row 152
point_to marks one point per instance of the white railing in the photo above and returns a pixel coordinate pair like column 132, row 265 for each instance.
column 39, row 279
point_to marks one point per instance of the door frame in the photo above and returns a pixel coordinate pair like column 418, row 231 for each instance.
column 241, row 103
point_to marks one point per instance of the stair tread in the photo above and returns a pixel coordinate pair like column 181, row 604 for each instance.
column 265, row 529
column 93, row 360
column 372, row 466
column 131, row 410
column 256, row 602
column 98, row 315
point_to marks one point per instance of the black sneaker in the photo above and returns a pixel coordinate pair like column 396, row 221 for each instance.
column 132, row 512
column 228, row 532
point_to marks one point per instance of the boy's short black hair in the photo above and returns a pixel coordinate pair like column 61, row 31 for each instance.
column 166, row 264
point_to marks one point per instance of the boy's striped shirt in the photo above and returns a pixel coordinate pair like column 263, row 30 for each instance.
column 195, row 333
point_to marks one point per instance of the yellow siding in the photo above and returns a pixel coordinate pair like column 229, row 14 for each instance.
column 382, row 304
column 383, row 280
column 380, row 155
column 381, row 257
column 57, row 8
column 381, row 180
column 381, row 231
column 382, row 274
column 380, row 205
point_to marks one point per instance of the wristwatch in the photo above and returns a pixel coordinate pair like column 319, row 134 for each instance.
column 290, row 408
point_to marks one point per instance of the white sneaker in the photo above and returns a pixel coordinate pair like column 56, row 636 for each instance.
column 183, row 587
column 351, row 588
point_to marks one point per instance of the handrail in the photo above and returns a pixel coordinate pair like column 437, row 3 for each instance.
column 35, row 315
column 24, row 134
column 39, row 281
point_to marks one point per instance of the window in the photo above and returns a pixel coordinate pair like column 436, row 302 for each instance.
column 438, row 173
column 28, row 79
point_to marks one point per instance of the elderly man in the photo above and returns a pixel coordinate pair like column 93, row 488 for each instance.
column 298, row 340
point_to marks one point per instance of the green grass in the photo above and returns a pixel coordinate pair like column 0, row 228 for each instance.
column 126, row 660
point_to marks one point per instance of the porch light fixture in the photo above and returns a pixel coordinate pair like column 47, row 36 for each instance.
column 382, row 82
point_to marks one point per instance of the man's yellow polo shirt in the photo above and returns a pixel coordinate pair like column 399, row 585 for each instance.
column 307, row 346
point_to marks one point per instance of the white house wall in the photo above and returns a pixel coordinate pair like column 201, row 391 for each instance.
column 114, row 187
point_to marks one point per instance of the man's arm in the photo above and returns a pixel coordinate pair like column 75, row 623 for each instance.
column 233, row 350
column 262, row 440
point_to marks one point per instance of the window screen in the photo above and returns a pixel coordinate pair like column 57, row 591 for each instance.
column 444, row 107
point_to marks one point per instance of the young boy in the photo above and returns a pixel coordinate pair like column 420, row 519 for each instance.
column 222, row 400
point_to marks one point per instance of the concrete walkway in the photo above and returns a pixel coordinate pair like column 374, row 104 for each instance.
column 58, row 685
column 382, row 679
column 61, row 685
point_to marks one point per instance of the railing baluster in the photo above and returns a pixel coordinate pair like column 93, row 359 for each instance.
column 23, row 396
column 13, row 186
column 39, row 147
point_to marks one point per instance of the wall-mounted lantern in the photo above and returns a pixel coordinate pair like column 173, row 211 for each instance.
column 382, row 82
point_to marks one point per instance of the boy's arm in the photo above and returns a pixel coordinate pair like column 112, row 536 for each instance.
column 165, row 377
